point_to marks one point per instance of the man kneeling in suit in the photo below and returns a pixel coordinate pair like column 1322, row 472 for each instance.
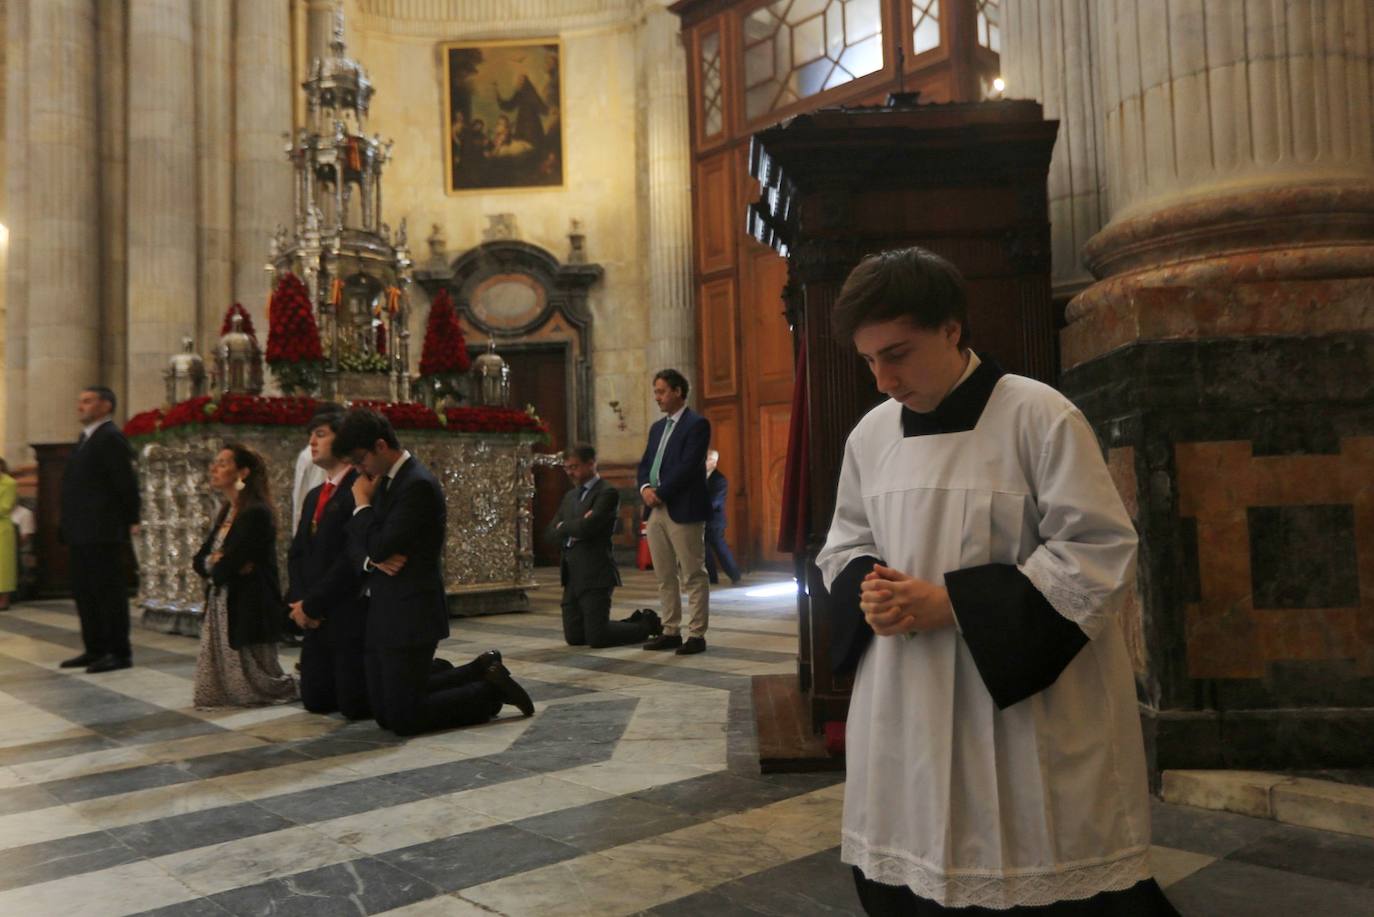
column 325, row 590
column 396, row 536
column 583, row 527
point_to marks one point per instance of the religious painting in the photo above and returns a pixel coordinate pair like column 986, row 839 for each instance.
column 503, row 115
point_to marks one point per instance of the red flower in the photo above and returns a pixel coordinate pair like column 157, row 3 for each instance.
column 292, row 336
column 247, row 327
column 144, row 424
column 445, row 350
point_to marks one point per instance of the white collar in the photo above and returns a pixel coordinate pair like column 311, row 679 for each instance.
column 973, row 364
column 343, row 471
column 94, row 425
column 590, row 483
column 391, row 472
column 677, row 416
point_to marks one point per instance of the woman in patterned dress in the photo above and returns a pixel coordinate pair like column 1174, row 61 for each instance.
column 244, row 611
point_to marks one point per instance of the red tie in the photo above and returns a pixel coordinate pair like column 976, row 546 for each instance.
column 325, row 493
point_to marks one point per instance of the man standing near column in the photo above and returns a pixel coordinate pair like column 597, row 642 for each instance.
column 677, row 506
column 100, row 505
column 717, row 551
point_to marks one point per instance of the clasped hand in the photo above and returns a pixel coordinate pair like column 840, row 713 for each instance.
column 894, row 603
column 303, row 620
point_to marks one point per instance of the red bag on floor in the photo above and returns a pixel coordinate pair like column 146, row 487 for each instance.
column 643, row 559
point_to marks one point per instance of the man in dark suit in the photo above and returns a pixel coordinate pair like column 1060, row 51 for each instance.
column 325, row 590
column 717, row 551
column 677, row 507
column 396, row 536
column 583, row 527
column 100, row 506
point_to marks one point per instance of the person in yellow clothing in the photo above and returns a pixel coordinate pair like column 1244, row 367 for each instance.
column 9, row 554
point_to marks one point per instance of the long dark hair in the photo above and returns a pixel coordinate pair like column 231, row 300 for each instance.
column 255, row 488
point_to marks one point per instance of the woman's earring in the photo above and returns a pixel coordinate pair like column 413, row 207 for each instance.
column 239, row 485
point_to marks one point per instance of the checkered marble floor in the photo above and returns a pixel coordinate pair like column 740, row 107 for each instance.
column 632, row 790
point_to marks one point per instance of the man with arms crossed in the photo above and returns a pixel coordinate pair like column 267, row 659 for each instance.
column 975, row 561
column 396, row 534
column 677, row 507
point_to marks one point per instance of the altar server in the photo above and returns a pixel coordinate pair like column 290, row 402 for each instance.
column 975, row 561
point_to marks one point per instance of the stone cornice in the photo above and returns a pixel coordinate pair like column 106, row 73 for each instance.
column 449, row 18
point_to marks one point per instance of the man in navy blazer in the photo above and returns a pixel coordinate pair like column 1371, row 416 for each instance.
column 677, row 507
column 325, row 585
column 100, row 506
column 396, row 535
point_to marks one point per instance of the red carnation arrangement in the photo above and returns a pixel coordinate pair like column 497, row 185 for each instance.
column 293, row 340
column 192, row 410
column 445, row 350
column 144, row 424
column 247, row 328
column 260, row 411
column 404, row 415
column 494, row 420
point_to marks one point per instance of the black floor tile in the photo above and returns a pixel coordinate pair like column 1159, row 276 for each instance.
column 362, row 886
column 608, row 823
column 68, row 856
column 1323, row 854
column 1229, row 889
column 175, row 833
column 112, row 783
column 715, row 794
column 1204, row 831
column 56, row 748
column 350, row 798
column 464, row 860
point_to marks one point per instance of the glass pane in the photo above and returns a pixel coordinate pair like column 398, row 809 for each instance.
column 808, row 41
column 712, row 120
column 758, row 63
column 926, row 36
column 802, row 9
column 863, row 58
column 862, row 19
column 989, row 19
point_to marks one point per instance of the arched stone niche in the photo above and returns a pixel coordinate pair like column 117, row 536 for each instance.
column 529, row 301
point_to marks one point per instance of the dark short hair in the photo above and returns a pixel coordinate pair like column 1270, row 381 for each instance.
column 674, row 379
column 361, row 428
column 106, row 394
column 910, row 283
column 583, row 452
column 327, row 414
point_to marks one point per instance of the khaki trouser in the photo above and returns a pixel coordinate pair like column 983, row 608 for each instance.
column 679, row 554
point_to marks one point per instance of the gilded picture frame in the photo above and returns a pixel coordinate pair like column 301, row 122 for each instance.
column 503, row 115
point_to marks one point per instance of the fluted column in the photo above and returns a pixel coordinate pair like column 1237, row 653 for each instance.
column 63, row 195
column 1048, row 55
column 162, row 192
column 213, row 25
column 672, row 317
column 262, row 115
column 16, row 220
column 1239, row 146
column 112, row 20
column 319, row 29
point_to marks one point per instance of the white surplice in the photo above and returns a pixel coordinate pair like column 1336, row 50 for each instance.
column 965, row 803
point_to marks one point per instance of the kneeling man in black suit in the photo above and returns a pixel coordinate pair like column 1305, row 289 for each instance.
column 326, row 586
column 396, row 535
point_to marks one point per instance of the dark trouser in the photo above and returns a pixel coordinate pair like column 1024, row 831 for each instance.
column 1144, row 899
column 333, row 675
column 102, row 598
column 409, row 698
column 717, row 551
column 587, row 621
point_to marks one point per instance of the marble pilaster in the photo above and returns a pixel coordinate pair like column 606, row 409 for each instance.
column 672, row 312
column 161, row 205
column 262, row 118
column 16, row 254
column 63, row 196
column 212, row 24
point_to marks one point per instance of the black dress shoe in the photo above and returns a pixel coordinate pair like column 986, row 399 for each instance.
column 693, row 645
column 664, row 642
column 498, row 676
column 78, row 662
column 109, row 664
column 482, row 662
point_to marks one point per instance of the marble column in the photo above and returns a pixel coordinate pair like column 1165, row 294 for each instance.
column 213, row 24
column 16, row 220
column 1225, row 356
column 163, row 247
column 112, row 112
column 262, row 118
column 672, row 314
column 63, row 208
column 1048, row 55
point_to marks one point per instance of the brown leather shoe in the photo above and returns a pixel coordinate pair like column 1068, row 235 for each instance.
column 664, row 642
column 692, row 646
